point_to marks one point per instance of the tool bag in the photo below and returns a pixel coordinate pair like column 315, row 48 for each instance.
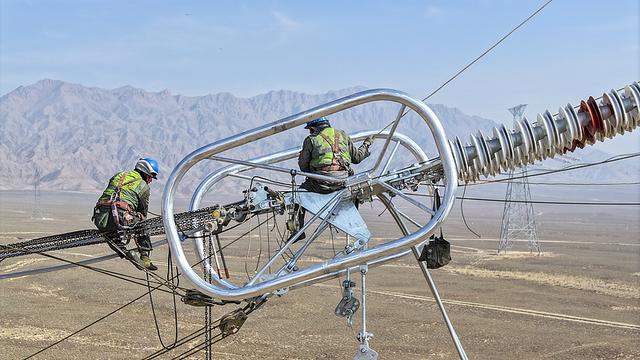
column 437, row 252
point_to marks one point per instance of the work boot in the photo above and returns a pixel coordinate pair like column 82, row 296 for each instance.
column 146, row 261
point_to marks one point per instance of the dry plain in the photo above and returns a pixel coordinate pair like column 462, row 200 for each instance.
column 580, row 299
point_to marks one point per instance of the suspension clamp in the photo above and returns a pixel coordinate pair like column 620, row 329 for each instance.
column 348, row 305
column 232, row 322
column 196, row 298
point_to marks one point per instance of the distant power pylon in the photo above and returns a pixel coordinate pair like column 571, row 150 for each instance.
column 518, row 218
column 37, row 210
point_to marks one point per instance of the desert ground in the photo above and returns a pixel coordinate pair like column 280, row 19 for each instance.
column 580, row 299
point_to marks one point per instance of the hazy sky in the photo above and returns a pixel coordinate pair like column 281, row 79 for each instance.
column 571, row 50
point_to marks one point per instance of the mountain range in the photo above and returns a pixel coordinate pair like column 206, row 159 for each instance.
column 74, row 137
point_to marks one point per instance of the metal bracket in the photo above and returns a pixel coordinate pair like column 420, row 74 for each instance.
column 348, row 305
column 232, row 322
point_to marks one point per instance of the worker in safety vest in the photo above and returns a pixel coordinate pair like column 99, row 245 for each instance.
column 123, row 204
column 328, row 151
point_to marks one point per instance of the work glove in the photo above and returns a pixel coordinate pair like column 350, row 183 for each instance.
column 368, row 141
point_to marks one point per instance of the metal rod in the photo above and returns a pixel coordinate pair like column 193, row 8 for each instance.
column 425, row 271
column 292, row 262
column 335, row 199
column 388, row 162
column 386, row 143
column 402, row 195
column 266, row 181
column 280, row 169
column 363, row 288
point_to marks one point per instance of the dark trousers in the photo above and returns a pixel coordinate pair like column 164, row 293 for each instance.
column 112, row 231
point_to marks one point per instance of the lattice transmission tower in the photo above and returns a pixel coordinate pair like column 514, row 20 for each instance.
column 518, row 218
column 37, row 212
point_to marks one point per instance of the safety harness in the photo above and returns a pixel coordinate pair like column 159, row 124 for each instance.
column 115, row 203
column 337, row 162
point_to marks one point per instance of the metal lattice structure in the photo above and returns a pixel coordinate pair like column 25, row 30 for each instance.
column 37, row 212
column 518, row 217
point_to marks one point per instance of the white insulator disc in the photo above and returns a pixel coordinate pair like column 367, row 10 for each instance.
column 608, row 124
column 633, row 93
column 617, row 118
column 573, row 118
column 464, row 162
column 572, row 126
column 481, row 158
column 456, row 158
column 506, row 148
column 553, row 141
column 566, row 136
column 611, row 100
column 516, row 160
column 492, row 164
column 525, row 146
column 535, row 152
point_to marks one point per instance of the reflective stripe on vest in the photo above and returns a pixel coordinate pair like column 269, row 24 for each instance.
column 322, row 153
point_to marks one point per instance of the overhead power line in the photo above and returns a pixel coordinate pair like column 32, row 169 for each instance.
column 551, row 202
column 568, row 168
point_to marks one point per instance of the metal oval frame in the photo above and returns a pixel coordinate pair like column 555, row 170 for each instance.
column 327, row 267
column 213, row 178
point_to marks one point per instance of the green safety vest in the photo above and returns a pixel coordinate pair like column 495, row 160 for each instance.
column 133, row 186
column 328, row 145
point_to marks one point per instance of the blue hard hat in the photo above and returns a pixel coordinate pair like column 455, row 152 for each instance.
column 317, row 122
column 148, row 166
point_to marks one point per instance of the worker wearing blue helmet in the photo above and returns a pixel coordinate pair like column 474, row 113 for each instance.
column 123, row 204
column 329, row 151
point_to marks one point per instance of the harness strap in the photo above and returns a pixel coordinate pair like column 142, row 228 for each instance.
column 119, row 203
column 335, row 148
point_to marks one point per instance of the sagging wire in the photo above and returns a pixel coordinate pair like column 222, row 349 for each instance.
column 170, row 277
column 116, row 310
column 568, row 168
column 246, row 257
column 260, row 239
column 114, row 274
column 462, row 213
column 474, row 60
